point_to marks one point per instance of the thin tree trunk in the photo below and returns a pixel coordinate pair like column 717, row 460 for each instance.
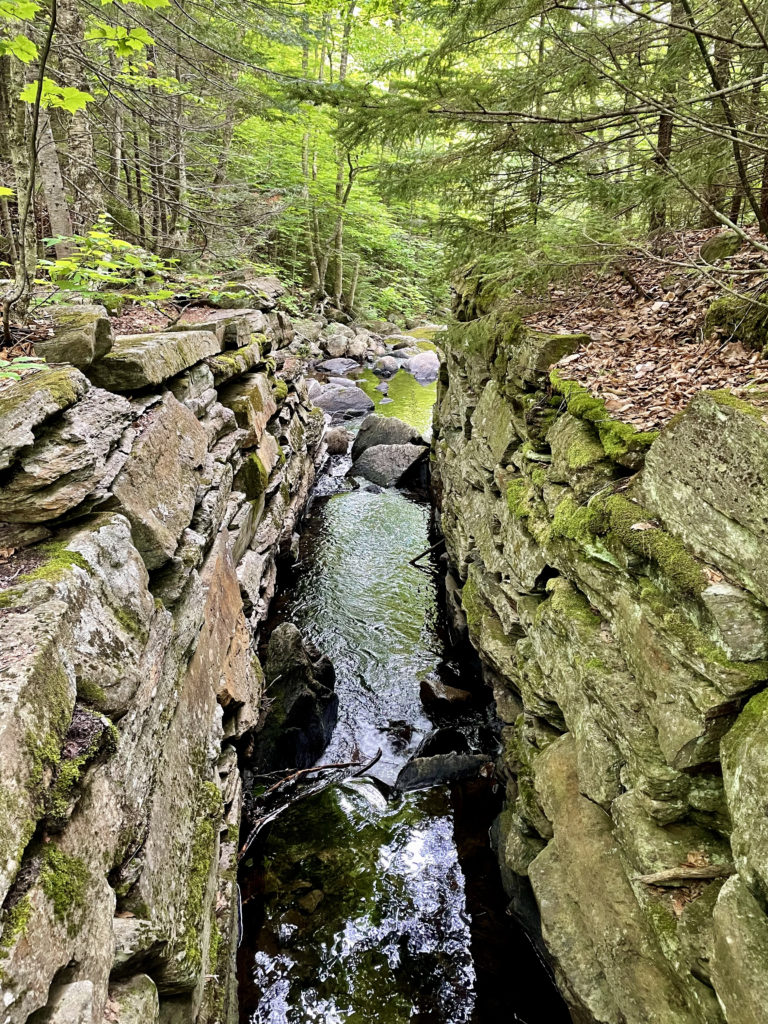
column 82, row 169
column 53, row 186
column 14, row 115
column 341, row 158
column 353, row 284
column 5, row 210
column 139, row 187
column 658, row 216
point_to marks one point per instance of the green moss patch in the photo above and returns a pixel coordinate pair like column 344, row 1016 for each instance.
column 64, row 881
column 580, row 523
column 615, row 516
column 629, row 523
column 519, row 495
column 618, row 439
column 739, row 319
column 569, row 604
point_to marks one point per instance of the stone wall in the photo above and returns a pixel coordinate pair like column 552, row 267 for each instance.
column 144, row 499
column 614, row 585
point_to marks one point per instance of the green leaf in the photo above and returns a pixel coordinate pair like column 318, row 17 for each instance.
column 20, row 47
column 5, row 192
column 18, row 10
column 53, row 95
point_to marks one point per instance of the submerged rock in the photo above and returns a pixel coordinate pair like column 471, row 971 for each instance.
column 338, row 366
column 439, row 770
column 425, row 366
column 341, row 402
column 387, row 464
column 436, row 694
column 386, row 366
column 301, row 719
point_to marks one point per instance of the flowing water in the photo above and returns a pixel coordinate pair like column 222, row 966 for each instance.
column 360, row 908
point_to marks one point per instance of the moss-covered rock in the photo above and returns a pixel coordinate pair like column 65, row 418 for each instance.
column 621, row 441
column 721, row 246
column 706, row 479
column 739, row 319
column 81, row 335
column 30, row 402
column 139, row 361
column 740, row 954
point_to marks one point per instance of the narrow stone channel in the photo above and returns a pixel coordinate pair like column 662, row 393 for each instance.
column 360, row 904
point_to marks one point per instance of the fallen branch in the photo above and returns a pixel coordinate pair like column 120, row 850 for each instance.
column 632, row 281
column 314, row 787
column 686, row 873
column 429, row 551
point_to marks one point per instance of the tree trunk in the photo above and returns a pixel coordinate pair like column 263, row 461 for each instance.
column 53, row 186
column 17, row 127
column 658, row 216
column 82, row 169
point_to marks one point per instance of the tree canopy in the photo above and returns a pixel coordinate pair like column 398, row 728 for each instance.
column 360, row 150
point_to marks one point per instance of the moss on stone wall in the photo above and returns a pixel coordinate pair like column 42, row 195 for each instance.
column 64, row 880
column 619, row 440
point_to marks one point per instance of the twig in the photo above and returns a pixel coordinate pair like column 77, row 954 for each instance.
column 686, row 873
column 316, row 787
column 631, row 280
column 429, row 551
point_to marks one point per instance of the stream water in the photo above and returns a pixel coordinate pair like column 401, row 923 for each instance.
column 359, row 908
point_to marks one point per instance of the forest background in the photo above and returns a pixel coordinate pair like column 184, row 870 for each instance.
column 363, row 151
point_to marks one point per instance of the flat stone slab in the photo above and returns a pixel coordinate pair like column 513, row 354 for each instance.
column 27, row 403
column 82, row 334
column 68, row 460
column 338, row 366
column 142, row 360
column 231, row 364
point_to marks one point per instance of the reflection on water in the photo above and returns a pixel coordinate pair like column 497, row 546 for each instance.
column 366, row 914
column 357, row 599
column 411, row 401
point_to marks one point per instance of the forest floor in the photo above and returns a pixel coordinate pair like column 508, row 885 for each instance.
column 649, row 355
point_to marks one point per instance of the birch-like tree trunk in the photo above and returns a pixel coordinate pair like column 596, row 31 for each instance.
column 82, row 170
column 53, row 185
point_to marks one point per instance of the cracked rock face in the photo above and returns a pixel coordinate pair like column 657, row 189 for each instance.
column 156, row 488
column 68, row 461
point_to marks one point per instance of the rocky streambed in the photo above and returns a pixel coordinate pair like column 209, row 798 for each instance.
column 379, row 898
